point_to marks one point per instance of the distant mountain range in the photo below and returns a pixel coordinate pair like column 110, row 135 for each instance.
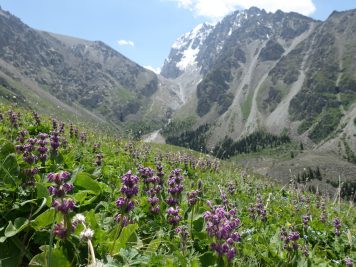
column 282, row 74
column 65, row 76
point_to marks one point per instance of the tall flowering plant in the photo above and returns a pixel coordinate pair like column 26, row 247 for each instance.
column 126, row 202
column 61, row 203
column 221, row 225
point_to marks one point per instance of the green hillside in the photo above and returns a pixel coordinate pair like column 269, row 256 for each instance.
column 68, row 198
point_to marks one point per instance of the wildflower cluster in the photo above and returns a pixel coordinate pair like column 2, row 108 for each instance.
column 349, row 262
column 54, row 124
column 13, row 117
column 99, row 159
column 160, row 174
column 231, row 188
column 73, row 132
column 37, row 118
column 22, row 136
column 193, row 197
column 42, row 149
column 306, row 219
column 337, row 226
column 173, row 216
column 175, row 188
column 96, row 148
column 27, row 147
column 126, row 203
column 323, row 216
column 87, row 234
column 222, row 226
column 54, row 141
column 83, row 137
column 258, row 209
column 183, row 234
column 175, row 184
column 290, row 239
column 60, row 189
column 151, row 187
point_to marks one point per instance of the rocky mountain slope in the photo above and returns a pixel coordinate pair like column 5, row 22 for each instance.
column 282, row 73
column 65, row 75
column 252, row 80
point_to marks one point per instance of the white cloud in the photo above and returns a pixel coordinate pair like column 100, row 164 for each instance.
column 216, row 9
column 155, row 70
column 126, row 42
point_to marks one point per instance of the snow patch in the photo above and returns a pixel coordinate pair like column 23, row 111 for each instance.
column 155, row 70
column 188, row 58
column 184, row 45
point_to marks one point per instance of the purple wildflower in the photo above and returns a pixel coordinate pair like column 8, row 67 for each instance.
column 129, row 189
column 222, row 225
column 348, row 262
column 337, row 225
column 306, row 219
column 36, row 118
column 13, row 118
column 54, row 141
column 173, row 216
column 60, row 231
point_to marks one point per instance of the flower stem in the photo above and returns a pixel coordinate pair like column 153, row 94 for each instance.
column 191, row 223
column 92, row 253
column 51, row 240
column 117, row 234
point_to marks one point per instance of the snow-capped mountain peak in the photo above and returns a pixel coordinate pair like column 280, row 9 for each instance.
column 185, row 50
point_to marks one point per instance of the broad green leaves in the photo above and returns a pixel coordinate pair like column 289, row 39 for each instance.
column 43, row 220
column 8, row 164
column 85, row 181
column 125, row 235
column 57, row 259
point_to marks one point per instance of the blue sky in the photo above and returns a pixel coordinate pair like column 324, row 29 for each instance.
column 144, row 30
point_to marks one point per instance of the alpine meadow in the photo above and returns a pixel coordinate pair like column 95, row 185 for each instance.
column 241, row 151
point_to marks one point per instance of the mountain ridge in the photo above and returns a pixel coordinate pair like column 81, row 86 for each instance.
column 279, row 41
column 282, row 73
column 75, row 74
column 278, row 73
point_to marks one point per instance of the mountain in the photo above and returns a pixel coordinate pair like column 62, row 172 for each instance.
column 65, row 75
column 278, row 73
column 251, row 81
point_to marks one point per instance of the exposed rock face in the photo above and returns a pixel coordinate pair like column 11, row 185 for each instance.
column 281, row 72
column 77, row 72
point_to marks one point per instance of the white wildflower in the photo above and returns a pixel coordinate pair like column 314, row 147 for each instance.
column 78, row 218
column 87, row 234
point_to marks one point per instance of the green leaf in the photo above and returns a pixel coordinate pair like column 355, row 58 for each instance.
column 125, row 235
column 43, row 220
column 6, row 148
column 9, row 254
column 207, row 259
column 99, row 234
column 9, row 170
column 152, row 246
column 41, row 190
column 85, row 181
column 198, row 224
column 57, row 259
column 84, row 197
column 16, row 227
